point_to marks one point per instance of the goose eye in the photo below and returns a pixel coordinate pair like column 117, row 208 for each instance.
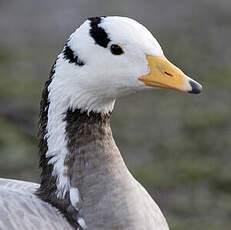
column 116, row 49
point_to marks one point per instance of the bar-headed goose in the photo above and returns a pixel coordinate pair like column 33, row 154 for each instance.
column 85, row 183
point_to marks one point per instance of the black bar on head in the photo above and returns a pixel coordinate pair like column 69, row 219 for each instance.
column 71, row 57
column 98, row 33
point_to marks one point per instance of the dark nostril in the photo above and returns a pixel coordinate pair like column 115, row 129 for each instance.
column 196, row 88
column 169, row 74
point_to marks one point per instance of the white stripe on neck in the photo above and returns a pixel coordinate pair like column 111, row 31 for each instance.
column 65, row 91
column 56, row 139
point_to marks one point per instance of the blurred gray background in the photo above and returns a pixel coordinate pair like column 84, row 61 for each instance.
column 177, row 145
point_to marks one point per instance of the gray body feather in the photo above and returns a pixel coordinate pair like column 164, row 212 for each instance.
column 20, row 209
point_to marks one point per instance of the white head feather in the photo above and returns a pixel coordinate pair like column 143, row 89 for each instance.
column 105, row 76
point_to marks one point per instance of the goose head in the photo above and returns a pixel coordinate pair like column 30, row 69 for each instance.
column 109, row 57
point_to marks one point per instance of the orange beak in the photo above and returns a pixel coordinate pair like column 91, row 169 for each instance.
column 163, row 74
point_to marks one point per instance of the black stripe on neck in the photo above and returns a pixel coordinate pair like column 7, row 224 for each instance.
column 71, row 57
column 98, row 33
column 48, row 182
column 48, row 188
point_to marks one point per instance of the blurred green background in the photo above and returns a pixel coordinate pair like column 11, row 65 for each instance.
column 177, row 145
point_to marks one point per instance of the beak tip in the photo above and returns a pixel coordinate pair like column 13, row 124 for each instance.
column 196, row 88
